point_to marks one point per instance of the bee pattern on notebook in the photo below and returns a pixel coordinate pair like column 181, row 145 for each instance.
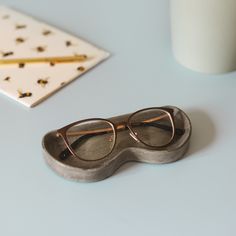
column 42, row 82
column 7, row 54
column 69, row 43
column 23, row 95
column 18, row 26
column 21, row 65
column 81, row 68
column 37, row 59
column 7, row 78
column 46, row 32
column 41, row 48
column 20, row 40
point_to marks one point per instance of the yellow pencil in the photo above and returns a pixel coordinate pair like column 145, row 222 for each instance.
column 65, row 59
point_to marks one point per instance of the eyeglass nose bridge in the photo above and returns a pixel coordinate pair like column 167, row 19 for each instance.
column 132, row 134
column 134, row 137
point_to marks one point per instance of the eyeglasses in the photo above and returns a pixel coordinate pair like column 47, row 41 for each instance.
column 94, row 139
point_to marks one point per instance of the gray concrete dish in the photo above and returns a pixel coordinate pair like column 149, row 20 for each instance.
column 126, row 150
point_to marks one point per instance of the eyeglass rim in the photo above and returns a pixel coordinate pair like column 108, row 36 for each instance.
column 63, row 130
column 163, row 109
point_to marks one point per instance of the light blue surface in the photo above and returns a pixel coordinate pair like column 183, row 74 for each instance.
column 195, row 196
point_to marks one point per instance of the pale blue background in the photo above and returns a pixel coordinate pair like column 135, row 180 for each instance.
column 195, row 196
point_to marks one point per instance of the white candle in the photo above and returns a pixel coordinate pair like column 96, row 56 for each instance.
column 204, row 34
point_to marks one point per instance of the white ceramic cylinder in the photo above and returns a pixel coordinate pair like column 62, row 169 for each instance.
column 204, row 34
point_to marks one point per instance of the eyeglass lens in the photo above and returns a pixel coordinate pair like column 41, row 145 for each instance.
column 153, row 127
column 92, row 139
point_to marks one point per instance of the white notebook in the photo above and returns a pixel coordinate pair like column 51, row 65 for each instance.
column 21, row 37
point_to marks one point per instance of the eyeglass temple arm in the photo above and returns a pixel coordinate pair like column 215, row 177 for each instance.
column 86, row 134
column 122, row 127
column 118, row 127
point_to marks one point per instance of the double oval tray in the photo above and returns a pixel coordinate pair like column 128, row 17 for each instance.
column 126, row 150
